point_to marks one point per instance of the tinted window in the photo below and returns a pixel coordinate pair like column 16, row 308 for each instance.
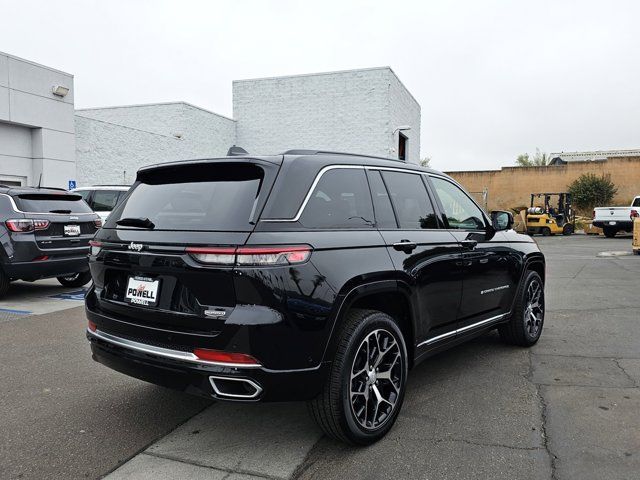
column 104, row 200
column 636, row 202
column 410, row 200
column 51, row 203
column 84, row 194
column 195, row 197
column 340, row 200
column 381, row 202
column 461, row 212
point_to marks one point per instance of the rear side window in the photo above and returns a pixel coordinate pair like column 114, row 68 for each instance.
column 381, row 202
column 340, row 200
column 51, row 203
column 104, row 200
column 636, row 202
column 201, row 197
column 410, row 200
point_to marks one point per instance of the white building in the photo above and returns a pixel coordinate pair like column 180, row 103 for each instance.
column 366, row 111
column 37, row 134
column 350, row 111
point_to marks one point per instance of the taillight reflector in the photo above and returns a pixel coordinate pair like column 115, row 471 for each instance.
column 225, row 357
column 23, row 225
column 92, row 326
column 255, row 255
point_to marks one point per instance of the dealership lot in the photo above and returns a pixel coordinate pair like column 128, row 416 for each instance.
column 568, row 408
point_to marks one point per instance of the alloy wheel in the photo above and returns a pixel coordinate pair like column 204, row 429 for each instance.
column 534, row 309
column 376, row 379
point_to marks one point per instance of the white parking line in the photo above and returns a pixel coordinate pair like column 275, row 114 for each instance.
column 230, row 441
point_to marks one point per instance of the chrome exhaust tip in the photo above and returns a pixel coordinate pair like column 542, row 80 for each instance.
column 231, row 388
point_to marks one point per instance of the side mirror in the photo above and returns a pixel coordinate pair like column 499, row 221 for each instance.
column 501, row 220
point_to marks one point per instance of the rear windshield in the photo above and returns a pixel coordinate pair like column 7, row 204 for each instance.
column 51, row 203
column 209, row 197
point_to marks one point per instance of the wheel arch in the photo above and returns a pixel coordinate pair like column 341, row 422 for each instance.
column 384, row 296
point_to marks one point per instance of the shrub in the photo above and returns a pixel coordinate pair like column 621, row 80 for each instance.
column 589, row 191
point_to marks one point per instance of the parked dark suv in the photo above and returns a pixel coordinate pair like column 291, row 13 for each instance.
column 310, row 275
column 44, row 233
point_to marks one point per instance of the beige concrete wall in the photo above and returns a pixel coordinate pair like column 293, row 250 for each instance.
column 511, row 186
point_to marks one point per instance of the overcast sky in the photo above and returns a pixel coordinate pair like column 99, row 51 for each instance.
column 494, row 78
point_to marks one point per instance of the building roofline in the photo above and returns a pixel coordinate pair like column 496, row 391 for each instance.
column 333, row 72
column 4, row 54
column 152, row 104
column 297, row 75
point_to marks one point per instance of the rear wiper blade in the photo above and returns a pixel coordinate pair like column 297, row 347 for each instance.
column 142, row 222
column 59, row 211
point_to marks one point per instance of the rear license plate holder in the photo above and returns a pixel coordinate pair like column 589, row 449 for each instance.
column 142, row 291
column 72, row 230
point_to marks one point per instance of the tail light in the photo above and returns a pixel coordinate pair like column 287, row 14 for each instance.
column 256, row 256
column 23, row 225
column 95, row 247
column 634, row 214
column 213, row 256
column 225, row 357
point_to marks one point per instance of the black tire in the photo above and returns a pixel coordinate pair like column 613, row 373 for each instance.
column 4, row 283
column 609, row 232
column 333, row 409
column 546, row 231
column 76, row 280
column 521, row 329
column 567, row 229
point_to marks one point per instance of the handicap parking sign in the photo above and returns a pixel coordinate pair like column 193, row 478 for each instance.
column 72, row 184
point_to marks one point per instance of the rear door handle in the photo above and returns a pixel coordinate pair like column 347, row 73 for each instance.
column 404, row 245
column 469, row 244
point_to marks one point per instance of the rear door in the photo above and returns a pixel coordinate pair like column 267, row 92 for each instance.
column 427, row 255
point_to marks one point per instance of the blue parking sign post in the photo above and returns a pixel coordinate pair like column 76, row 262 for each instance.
column 72, row 184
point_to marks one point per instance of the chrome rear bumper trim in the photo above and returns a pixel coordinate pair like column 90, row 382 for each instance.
column 189, row 357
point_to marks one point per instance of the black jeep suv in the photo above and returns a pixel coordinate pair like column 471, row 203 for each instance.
column 310, row 275
column 44, row 233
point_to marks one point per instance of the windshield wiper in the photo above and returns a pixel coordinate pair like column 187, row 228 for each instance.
column 59, row 211
column 142, row 222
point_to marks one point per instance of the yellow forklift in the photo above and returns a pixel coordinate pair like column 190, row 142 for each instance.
column 546, row 219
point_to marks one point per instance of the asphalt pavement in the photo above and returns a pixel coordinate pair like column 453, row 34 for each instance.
column 565, row 409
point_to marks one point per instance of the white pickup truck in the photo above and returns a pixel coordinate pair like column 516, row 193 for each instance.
column 614, row 219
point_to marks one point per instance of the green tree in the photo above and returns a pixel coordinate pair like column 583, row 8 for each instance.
column 589, row 191
column 540, row 159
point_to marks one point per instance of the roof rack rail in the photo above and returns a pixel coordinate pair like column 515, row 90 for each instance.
column 328, row 152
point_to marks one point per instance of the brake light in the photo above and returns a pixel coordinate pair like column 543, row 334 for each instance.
column 213, row 256
column 225, row 357
column 634, row 214
column 273, row 255
column 23, row 225
column 258, row 255
column 95, row 247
